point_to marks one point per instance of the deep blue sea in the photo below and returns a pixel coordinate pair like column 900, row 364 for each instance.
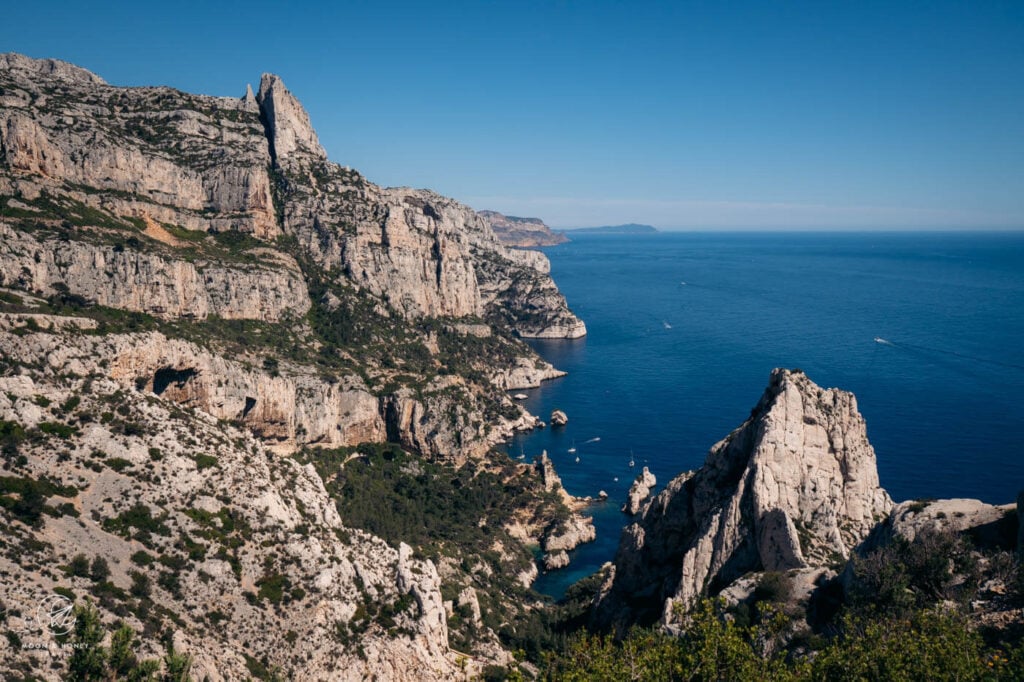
column 684, row 329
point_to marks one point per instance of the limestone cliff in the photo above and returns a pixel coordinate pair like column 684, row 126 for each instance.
column 188, row 207
column 522, row 232
column 288, row 409
column 237, row 556
column 153, row 282
column 73, row 148
column 194, row 305
column 195, row 161
column 794, row 486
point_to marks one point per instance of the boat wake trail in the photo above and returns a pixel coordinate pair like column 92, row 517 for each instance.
column 949, row 353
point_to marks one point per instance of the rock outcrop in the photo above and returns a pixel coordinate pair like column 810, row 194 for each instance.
column 153, row 283
column 290, row 409
column 103, row 159
column 988, row 525
column 639, row 492
column 570, row 534
column 522, row 232
column 795, row 486
column 263, row 566
column 288, row 126
column 559, row 418
column 559, row 538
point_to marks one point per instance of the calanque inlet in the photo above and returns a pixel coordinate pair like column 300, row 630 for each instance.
column 249, row 410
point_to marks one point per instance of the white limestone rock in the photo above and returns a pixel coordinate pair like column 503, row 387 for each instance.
column 795, row 486
column 639, row 492
column 287, row 120
column 152, row 283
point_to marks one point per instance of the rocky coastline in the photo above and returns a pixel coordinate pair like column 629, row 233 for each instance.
column 249, row 410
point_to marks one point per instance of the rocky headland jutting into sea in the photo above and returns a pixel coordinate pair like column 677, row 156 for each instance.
column 522, row 232
column 248, row 404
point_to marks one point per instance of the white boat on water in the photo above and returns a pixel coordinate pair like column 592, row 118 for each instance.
column 573, row 449
column 520, row 396
column 632, row 462
column 577, row 460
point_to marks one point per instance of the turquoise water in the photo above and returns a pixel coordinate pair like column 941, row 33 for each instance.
column 684, row 329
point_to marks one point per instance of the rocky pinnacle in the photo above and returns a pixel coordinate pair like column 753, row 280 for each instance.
column 794, row 486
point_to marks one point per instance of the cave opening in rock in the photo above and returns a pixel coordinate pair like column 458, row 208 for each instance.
column 249, row 404
column 168, row 376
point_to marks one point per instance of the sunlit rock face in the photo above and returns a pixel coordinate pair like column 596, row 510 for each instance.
column 795, row 486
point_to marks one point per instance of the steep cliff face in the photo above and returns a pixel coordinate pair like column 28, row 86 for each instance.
column 522, row 232
column 292, row 408
column 795, row 486
column 428, row 255
column 191, row 207
column 191, row 160
column 253, row 165
column 151, row 282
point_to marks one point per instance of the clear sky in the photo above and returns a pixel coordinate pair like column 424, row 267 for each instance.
column 679, row 114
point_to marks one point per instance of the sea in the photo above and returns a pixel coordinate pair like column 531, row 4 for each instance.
column 925, row 328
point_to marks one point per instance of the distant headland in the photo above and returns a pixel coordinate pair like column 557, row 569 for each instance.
column 629, row 228
column 521, row 232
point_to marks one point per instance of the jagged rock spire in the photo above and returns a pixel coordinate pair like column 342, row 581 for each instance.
column 287, row 122
column 250, row 99
column 796, row 485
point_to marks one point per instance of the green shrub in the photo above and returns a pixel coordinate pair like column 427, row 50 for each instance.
column 903, row 576
column 57, row 429
column 79, row 566
column 99, row 571
column 118, row 463
column 142, row 558
column 272, row 587
column 141, row 584
column 140, row 518
column 204, row 461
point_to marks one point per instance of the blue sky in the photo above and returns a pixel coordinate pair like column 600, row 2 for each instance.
column 717, row 115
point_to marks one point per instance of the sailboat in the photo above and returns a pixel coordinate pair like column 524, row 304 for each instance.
column 573, row 449
column 577, row 459
column 632, row 463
